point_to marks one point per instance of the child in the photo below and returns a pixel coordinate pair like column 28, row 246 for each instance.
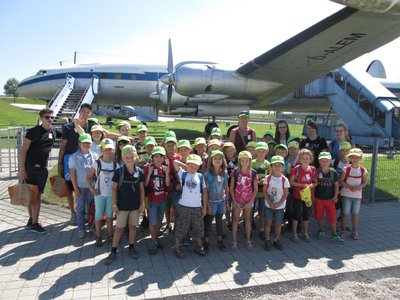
column 268, row 136
column 251, row 147
column 293, row 153
column 275, row 190
column 271, row 151
column 200, row 148
column 80, row 163
column 353, row 180
column 326, row 195
column 124, row 128
column 122, row 141
column 281, row 150
column 216, row 134
column 302, row 176
column 342, row 160
column 290, row 163
column 104, row 169
column 141, row 133
column 243, row 190
column 262, row 167
column 193, row 204
column 127, row 200
column 229, row 151
column 157, row 181
column 216, row 179
column 97, row 136
column 149, row 144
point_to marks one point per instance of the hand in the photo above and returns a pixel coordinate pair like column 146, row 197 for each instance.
column 141, row 209
column 22, row 174
column 77, row 192
column 132, row 139
column 151, row 169
column 209, row 210
column 94, row 192
column 335, row 200
column 116, row 210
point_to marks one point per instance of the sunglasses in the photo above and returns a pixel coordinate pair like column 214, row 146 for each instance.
column 49, row 117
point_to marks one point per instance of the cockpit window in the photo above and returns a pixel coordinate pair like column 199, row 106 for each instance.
column 41, row 72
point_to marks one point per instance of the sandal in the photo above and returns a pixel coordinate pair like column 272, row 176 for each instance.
column 178, row 252
column 200, row 251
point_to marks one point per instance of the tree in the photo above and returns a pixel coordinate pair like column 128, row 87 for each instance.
column 10, row 88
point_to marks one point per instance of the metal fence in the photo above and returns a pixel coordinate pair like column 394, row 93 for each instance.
column 10, row 147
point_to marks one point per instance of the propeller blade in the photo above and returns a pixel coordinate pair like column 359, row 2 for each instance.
column 170, row 58
column 169, row 96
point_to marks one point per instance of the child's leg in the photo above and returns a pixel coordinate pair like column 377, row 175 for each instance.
column 109, row 227
column 219, row 225
column 346, row 203
column 182, row 225
column 109, row 215
column 267, row 228
column 355, row 210
column 117, row 236
column 132, row 234
column 99, row 204
column 235, row 221
column 247, row 218
column 297, row 212
column 80, row 210
column 133, row 218
column 122, row 218
column 306, row 212
column 278, row 218
column 207, row 226
column 261, row 206
column 331, row 215
column 319, row 213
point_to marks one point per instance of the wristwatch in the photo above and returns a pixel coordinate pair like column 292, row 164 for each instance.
column 114, row 205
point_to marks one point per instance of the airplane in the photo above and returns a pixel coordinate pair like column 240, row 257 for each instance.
column 201, row 88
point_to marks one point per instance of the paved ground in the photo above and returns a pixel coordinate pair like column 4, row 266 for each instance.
column 59, row 265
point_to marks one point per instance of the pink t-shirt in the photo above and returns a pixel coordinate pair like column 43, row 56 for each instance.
column 244, row 188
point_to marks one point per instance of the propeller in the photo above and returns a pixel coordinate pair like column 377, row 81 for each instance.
column 170, row 75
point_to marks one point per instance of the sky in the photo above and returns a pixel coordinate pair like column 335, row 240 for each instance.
column 38, row 34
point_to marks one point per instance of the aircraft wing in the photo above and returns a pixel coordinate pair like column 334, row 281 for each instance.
column 327, row 45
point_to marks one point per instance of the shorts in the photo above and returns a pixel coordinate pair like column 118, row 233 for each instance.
column 103, row 204
column 329, row 207
column 125, row 215
column 351, row 205
column 275, row 215
column 37, row 176
column 156, row 211
column 300, row 210
column 190, row 219
column 217, row 207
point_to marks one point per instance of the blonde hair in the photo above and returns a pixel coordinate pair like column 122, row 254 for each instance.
column 239, row 166
column 303, row 152
column 211, row 168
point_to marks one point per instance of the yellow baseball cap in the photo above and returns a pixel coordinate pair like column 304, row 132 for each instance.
column 245, row 154
column 355, row 152
column 194, row 159
column 107, row 144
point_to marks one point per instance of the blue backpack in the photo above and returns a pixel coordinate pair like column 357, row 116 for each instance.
column 184, row 174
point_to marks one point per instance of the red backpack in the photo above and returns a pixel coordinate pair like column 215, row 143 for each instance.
column 347, row 173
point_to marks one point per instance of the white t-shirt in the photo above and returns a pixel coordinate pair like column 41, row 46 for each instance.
column 191, row 194
column 354, row 172
column 105, row 177
column 275, row 191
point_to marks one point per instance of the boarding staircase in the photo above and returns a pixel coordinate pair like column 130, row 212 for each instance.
column 68, row 99
column 365, row 105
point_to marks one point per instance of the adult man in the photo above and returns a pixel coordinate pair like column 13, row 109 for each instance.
column 314, row 142
column 242, row 134
column 35, row 152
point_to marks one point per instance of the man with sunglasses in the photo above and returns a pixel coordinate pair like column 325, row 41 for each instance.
column 35, row 152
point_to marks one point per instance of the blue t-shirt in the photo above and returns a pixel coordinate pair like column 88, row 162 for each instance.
column 216, row 186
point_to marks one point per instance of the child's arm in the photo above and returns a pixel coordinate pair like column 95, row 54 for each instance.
column 343, row 183
column 178, row 165
column 141, row 208
column 296, row 184
column 205, row 201
column 167, row 176
column 363, row 182
column 335, row 196
column 265, row 188
column 150, row 170
column 283, row 198
column 74, row 181
column 232, row 191
column 89, row 177
column 78, row 127
column 114, row 197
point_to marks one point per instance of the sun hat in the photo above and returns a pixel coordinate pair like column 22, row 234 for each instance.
column 123, row 123
column 355, row 152
column 128, row 148
column 228, row 144
column 344, row 145
column 97, row 128
column 85, row 138
column 214, row 142
column 216, row 131
column 194, row 159
column 149, row 140
column 200, row 141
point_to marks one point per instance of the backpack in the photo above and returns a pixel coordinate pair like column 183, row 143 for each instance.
column 149, row 190
column 184, row 174
column 99, row 169
column 269, row 180
column 347, row 173
column 122, row 175
column 331, row 172
column 297, row 167
column 236, row 176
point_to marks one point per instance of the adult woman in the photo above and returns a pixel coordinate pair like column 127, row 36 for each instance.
column 243, row 134
column 282, row 132
column 342, row 134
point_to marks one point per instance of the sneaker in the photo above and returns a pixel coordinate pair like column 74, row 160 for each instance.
column 267, row 245
column 337, row 238
column 355, row 235
column 187, row 242
column 72, row 219
column 320, row 234
column 278, row 245
column 38, row 228
column 221, row 246
column 206, row 246
column 234, row 247
column 132, row 253
column 295, row 239
column 343, row 234
column 249, row 246
column 307, row 238
column 261, row 234
column 200, row 250
column 28, row 225
column 110, row 258
column 81, row 234
column 99, row 241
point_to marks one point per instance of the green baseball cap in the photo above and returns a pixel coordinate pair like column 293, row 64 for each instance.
column 273, row 143
column 268, row 133
column 194, row 159
column 170, row 136
column 107, row 144
column 293, row 144
column 95, row 120
column 251, row 144
column 262, row 145
column 149, row 140
column 217, row 152
column 85, row 138
column 200, row 141
column 244, row 114
column 277, row 159
column 123, row 123
column 216, row 131
column 158, row 150
column 344, row 145
column 128, row 148
column 326, row 155
column 141, row 127
column 293, row 138
column 123, row 138
column 184, row 143
column 282, row 146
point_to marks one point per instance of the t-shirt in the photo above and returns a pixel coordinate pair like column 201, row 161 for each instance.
column 239, row 138
column 104, row 179
column 71, row 134
column 262, row 169
column 42, row 141
column 244, row 188
column 156, row 189
column 325, row 189
column 341, row 166
column 95, row 148
column 315, row 146
column 354, row 179
column 216, row 186
column 191, row 191
column 303, row 176
column 169, row 162
column 82, row 163
column 141, row 151
column 275, row 191
column 129, row 192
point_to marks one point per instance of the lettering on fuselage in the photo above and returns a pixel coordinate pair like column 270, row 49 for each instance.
column 354, row 37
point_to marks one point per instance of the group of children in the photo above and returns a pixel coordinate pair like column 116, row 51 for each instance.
column 191, row 185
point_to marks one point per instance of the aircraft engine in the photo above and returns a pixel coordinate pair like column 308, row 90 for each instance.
column 177, row 100
column 382, row 6
column 220, row 110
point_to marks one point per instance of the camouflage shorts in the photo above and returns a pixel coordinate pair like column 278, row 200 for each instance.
column 190, row 219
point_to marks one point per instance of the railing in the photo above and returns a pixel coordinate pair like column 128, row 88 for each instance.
column 58, row 102
column 89, row 94
column 10, row 148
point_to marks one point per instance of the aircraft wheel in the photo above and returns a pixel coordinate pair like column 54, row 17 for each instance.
column 228, row 133
column 209, row 127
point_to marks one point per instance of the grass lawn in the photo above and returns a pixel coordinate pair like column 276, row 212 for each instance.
column 15, row 116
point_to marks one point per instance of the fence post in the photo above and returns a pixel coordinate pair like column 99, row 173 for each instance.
column 374, row 162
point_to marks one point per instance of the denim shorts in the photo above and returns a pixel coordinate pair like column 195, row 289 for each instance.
column 156, row 211
column 275, row 215
column 218, row 207
column 103, row 204
column 351, row 205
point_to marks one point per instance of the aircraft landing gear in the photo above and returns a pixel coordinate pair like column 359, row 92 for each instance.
column 209, row 127
column 228, row 133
